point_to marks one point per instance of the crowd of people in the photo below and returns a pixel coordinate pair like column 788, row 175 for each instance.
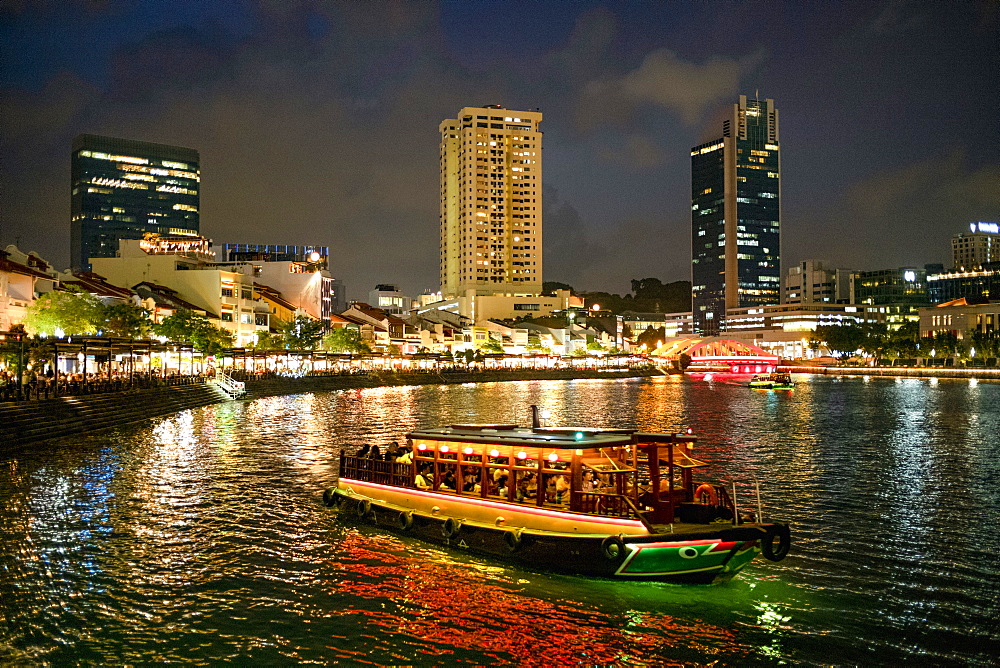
column 557, row 485
column 34, row 385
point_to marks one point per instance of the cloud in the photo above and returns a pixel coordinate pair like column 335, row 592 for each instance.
column 636, row 152
column 899, row 217
column 665, row 80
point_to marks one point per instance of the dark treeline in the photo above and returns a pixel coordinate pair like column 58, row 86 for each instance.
column 648, row 295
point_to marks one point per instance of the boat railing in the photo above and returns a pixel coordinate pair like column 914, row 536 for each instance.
column 379, row 471
column 602, row 503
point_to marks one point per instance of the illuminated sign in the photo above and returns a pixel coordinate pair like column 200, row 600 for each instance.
column 909, row 276
column 992, row 228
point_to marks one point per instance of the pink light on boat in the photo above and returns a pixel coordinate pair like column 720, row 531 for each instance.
column 553, row 457
column 444, row 448
column 421, row 447
column 494, row 453
column 468, row 451
column 522, row 455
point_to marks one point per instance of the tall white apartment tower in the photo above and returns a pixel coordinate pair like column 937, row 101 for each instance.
column 491, row 203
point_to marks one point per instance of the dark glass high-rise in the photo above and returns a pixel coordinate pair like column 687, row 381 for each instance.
column 123, row 189
column 736, row 216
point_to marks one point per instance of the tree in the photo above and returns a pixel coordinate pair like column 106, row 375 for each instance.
column 549, row 287
column 986, row 344
column 126, row 320
column 651, row 337
column 346, row 340
column 493, row 346
column 842, row 339
column 876, row 339
column 301, row 332
column 903, row 341
column 268, row 341
column 392, row 350
column 186, row 326
column 72, row 311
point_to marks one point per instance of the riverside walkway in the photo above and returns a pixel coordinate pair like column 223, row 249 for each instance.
column 103, row 406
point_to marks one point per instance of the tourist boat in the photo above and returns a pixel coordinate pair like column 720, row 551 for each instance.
column 600, row 502
column 772, row 381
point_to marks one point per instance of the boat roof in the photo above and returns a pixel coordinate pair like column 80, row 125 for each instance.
column 546, row 437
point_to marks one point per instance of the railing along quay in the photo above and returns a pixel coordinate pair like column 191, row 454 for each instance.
column 47, row 388
column 904, row 372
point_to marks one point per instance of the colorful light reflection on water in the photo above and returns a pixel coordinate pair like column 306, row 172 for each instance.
column 202, row 537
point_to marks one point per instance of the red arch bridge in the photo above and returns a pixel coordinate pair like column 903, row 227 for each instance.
column 716, row 354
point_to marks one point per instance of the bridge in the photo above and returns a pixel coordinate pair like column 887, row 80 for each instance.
column 716, row 354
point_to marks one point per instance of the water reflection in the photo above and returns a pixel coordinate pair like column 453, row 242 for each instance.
column 201, row 537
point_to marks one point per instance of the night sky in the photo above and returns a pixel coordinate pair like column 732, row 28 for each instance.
column 317, row 121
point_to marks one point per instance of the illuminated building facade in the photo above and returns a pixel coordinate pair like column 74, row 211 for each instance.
column 736, row 216
column 906, row 285
column 388, row 298
column 491, row 203
column 784, row 329
column 123, row 189
column 971, row 250
column 299, row 273
column 980, row 285
column 812, row 281
column 275, row 253
column 187, row 266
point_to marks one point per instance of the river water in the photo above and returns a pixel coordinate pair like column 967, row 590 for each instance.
column 202, row 537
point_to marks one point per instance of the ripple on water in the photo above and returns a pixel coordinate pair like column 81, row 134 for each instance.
column 202, row 537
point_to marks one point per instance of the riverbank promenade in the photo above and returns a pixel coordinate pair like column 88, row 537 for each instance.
column 104, row 405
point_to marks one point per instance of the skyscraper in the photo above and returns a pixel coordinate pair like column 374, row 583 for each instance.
column 971, row 250
column 736, row 216
column 123, row 189
column 491, row 203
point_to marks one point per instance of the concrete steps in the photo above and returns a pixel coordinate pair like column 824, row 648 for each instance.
column 35, row 421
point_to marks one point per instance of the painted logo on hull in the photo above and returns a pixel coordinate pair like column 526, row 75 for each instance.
column 646, row 559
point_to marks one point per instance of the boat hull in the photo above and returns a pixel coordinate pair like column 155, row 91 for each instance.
column 564, row 542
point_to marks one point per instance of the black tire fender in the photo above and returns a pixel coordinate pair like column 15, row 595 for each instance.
column 767, row 546
column 362, row 508
column 330, row 497
column 404, row 521
column 613, row 548
column 513, row 539
column 451, row 528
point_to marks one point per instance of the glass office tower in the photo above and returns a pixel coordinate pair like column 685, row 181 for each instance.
column 736, row 216
column 122, row 189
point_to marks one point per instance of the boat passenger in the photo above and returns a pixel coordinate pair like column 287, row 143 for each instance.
column 375, row 452
column 405, row 455
column 525, row 489
column 471, row 482
column 449, row 482
column 502, row 485
column 392, row 451
column 363, row 451
column 588, row 484
column 562, row 488
column 423, row 480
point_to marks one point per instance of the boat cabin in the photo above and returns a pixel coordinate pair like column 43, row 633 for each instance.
column 610, row 472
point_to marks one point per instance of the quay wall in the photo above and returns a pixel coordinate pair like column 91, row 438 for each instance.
column 906, row 372
column 31, row 422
